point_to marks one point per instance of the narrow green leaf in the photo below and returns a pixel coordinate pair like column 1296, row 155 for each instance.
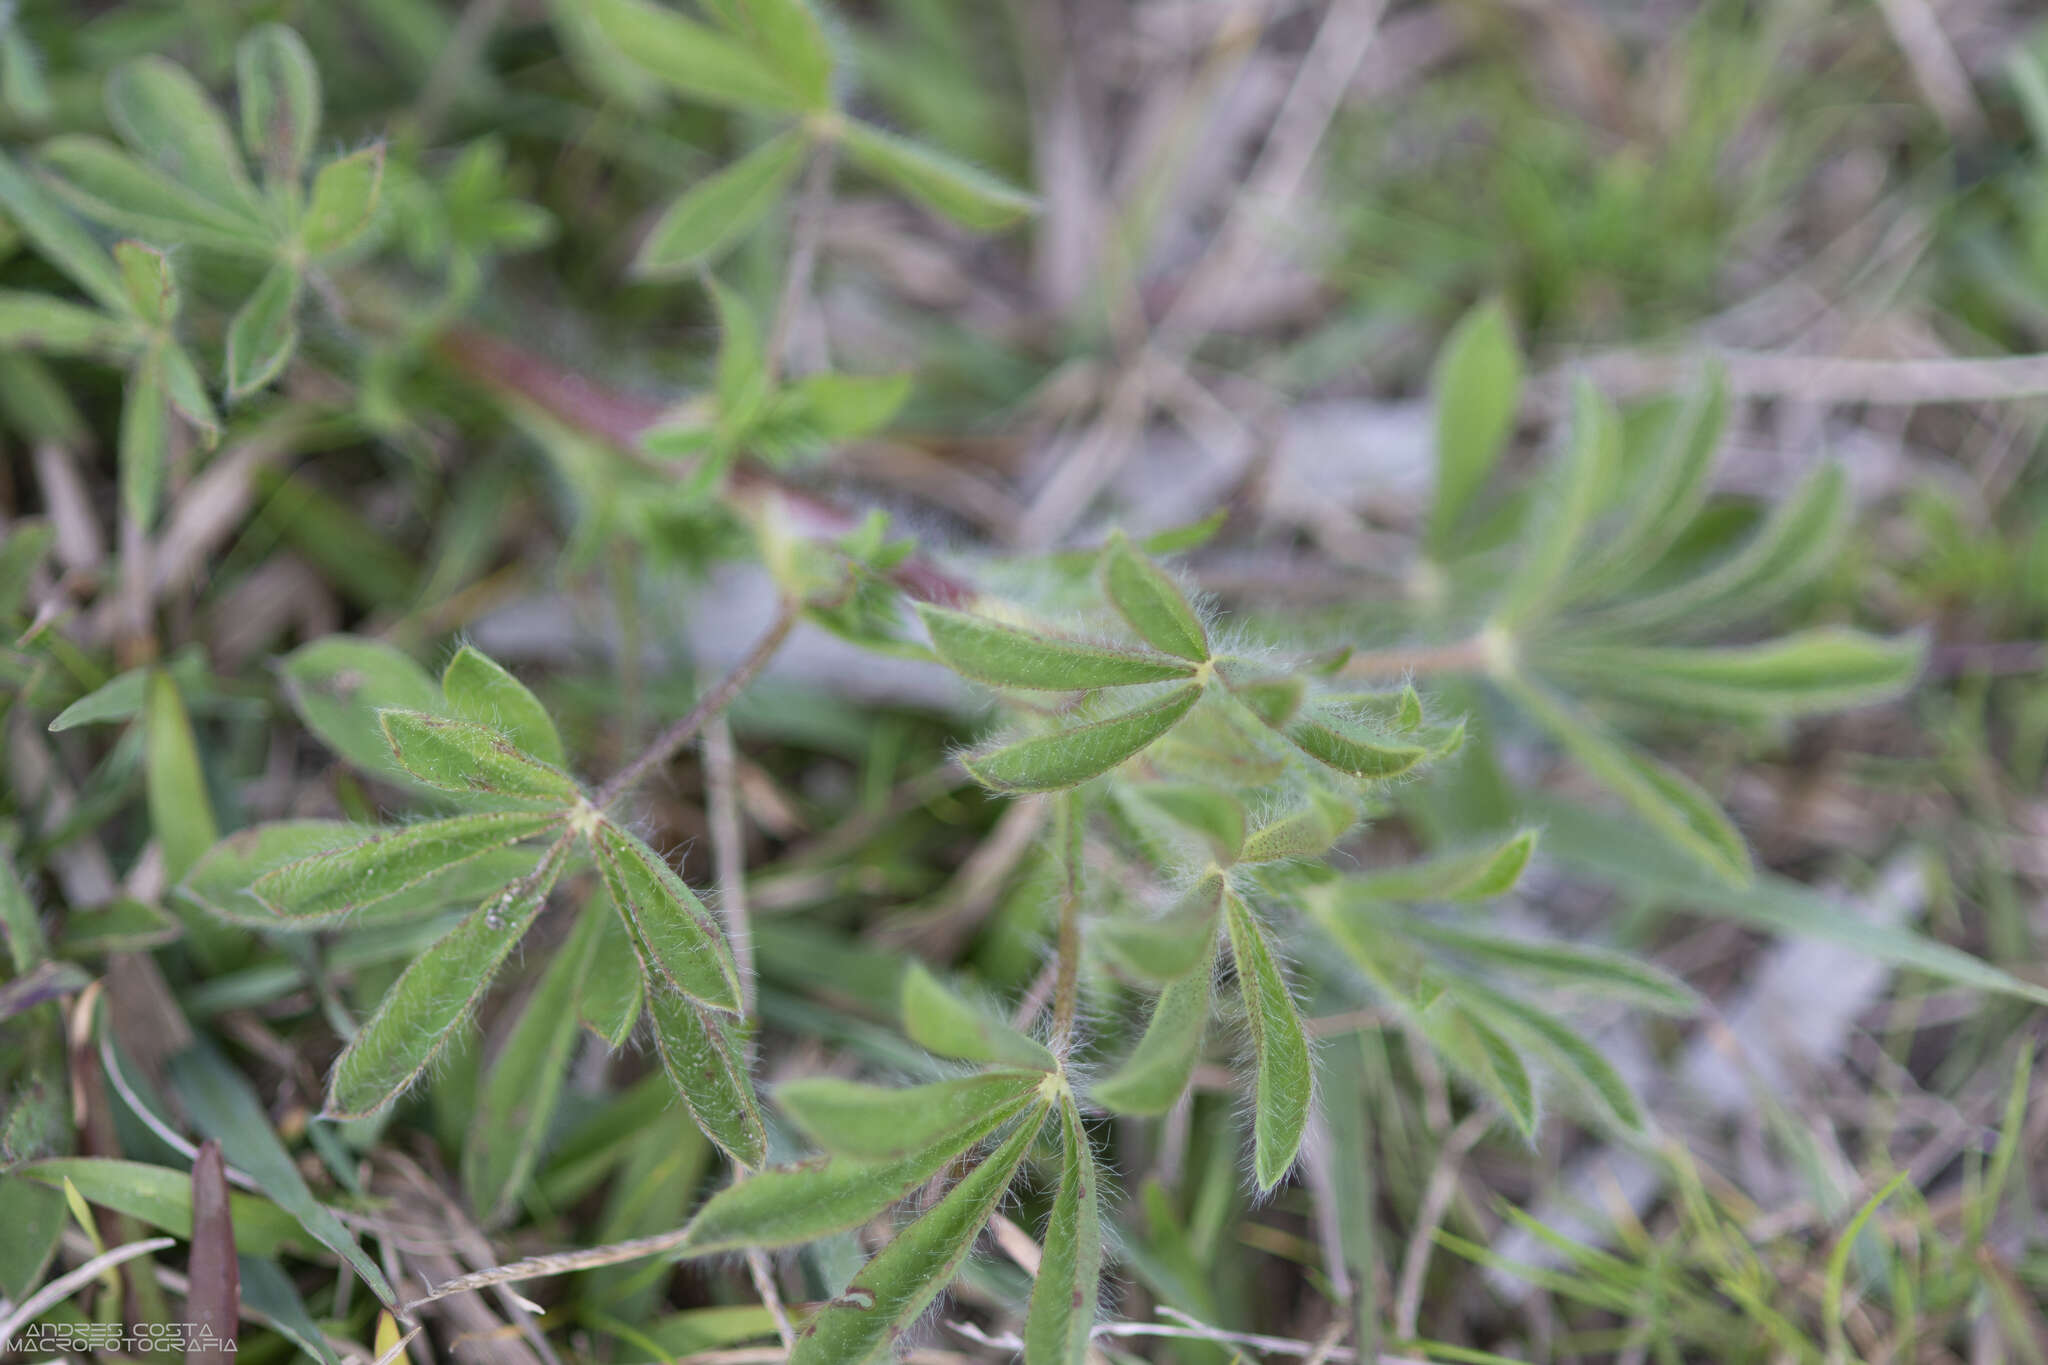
column 479, row 689
column 1664, row 500
column 1835, row 1279
column 474, row 760
column 344, row 200
column 704, row 1054
column 1668, row 801
column 27, row 945
column 162, row 1198
column 121, row 925
column 145, row 438
column 1171, row 946
column 152, row 288
column 1797, row 540
column 59, row 238
column 940, row 1021
column 893, row 1289
column 51, row 326
column 1492, row 1061
column 516, row 1103
column 35, row 1216
column 1827, row 669
column 968, row 195
column 889, row 1123
column 694, row 59
column 1286, row 1080
column 1151, row 601
column 221, row 1105
column 669, row 926
column 1062, row 1311
column 264, row 333
column 27, row 545
column 1579, row 969
column 187, row 393
column 787, row 36
column 1475, row 388
column 432, row 999
column 180, row 811
column 1562, row 1043
column 742, row 372
column 270, row 1291
column 279, row 91
column 340, row 683
column 330, row 886
column 710, row 216
column 168, row 117
column 1004, row 656
column 612, row 995
column 1478, row 873
column 1568, row 500
column 1155, row 1075
column 105, row 183
column 792, row 1205
column 1067, row 758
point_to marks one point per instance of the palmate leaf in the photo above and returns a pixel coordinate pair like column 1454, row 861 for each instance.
column 942, row 1022
column 1004, row 656
column 1067, row 758
column 705, row 1056
column 1151, row 602
column 1285, row 1078
column 894, row 1288
column 791, row 1205
column 1062, row 1310
column 888, row 1123
column 435, row 995
column 669, row 927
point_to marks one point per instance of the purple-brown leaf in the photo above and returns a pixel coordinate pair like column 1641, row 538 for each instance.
column 213, row 1303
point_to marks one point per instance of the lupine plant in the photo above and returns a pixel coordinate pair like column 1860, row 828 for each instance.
column 1212, row 790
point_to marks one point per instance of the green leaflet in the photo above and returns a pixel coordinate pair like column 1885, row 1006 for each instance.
column 1475, row 388
column 1067, row 758
column 27, row 945
column 1488, row 1058
column 969, row 196
column 1557, row 522
column 889, row 1293
column 888, row 1123
column 613, row 990
column 705, row 1057
column 329, row 886
column 435, row 995
column 1560, row 1042
column 144, row 438
column 120, row 925
column 164, row 114
column 1469, row 874
column 1062, row 1310
column 1308, row 832
column 338, row 685
column 1794, row 544
column 1151, row 602
column 1669, row 802
column 42, row 322
column 1286, row 1081
column 152, row 286
column 1156, row 1073
column 1171, row 946
column 180, row 812
column 1664, row 500
column 1273, row 700
column 693, row 58
column 709, row 217
column 516, row 1103
column 791, row 1205
column 1216, row 815
column 942, row 1022
column 669, row 926
column 1004, row 656
column 35, row 1216
column 1827, row 669
column 1361, row 751
column 787, row 34
column 1582, row 970
column 278, row 89
column 479, row 689
column 59, row 238
column 343, row 201
column 103, row 182
column 162, row 1198
column 474, row 760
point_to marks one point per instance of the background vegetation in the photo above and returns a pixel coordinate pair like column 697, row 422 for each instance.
column 1393, row 656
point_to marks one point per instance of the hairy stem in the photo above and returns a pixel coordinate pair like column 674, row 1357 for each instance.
column 1066, row 987
column 710, row 704
column 813, row 208
column 1462, row 656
